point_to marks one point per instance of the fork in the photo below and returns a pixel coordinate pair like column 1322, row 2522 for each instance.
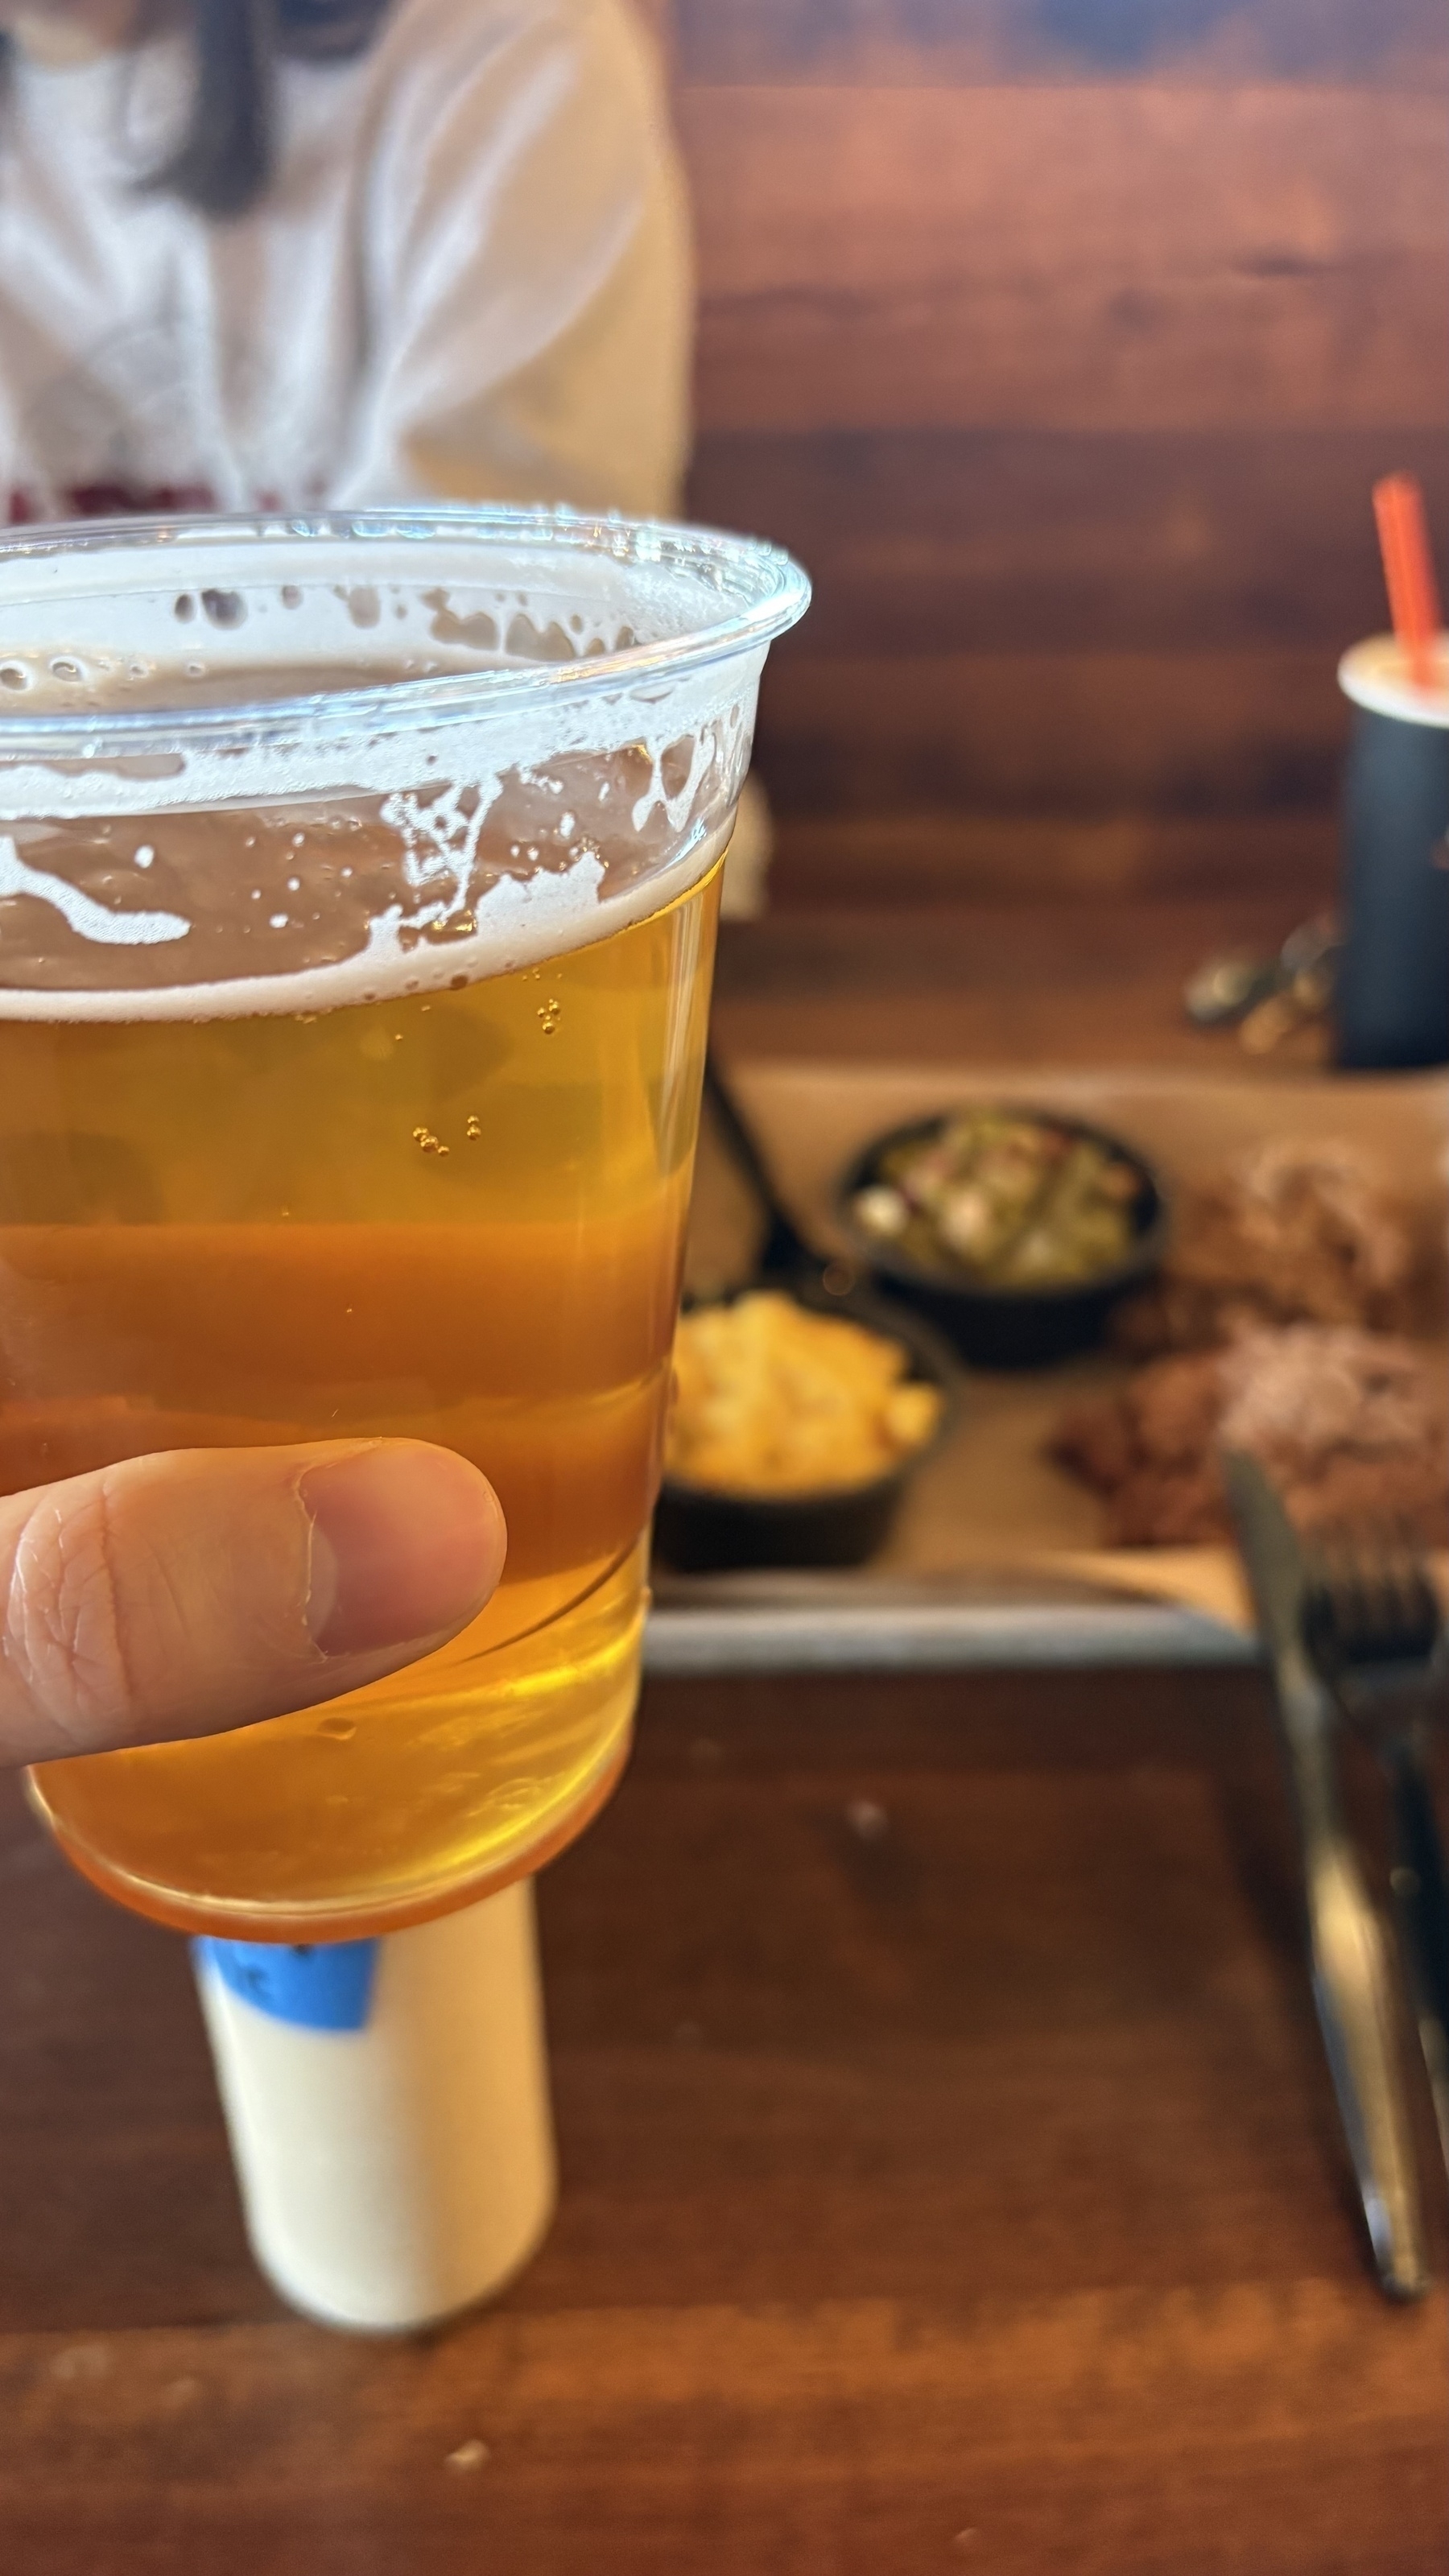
column 1373, row 1626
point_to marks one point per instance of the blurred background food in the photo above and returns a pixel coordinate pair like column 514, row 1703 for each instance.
column 1289, row 1281
column 1003, row 1198
column 1350, row 1425
column 1014, row 1230
column 1301, row 1288
column 771, row 1399
column 1297, row 1230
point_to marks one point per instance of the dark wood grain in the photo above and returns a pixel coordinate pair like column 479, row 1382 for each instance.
column 1052, row 541
column 1116, row 257
column 964, row 2190
column 1071, row 327
column 1075, row 734
column 975, row 651
column 876, row 862
column 1056, row 983
column 987, row 41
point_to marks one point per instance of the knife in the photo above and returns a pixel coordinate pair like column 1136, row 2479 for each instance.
column 1347, row 1951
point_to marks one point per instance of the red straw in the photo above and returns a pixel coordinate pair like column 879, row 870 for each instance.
column 1409, row 573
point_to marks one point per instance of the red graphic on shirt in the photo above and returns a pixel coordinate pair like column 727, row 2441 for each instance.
column 112, row 501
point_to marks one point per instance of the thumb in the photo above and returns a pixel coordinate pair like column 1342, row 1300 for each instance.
column 201, row 1589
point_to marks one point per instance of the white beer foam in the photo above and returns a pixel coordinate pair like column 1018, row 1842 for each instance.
column 520, row 922
column 89, row 919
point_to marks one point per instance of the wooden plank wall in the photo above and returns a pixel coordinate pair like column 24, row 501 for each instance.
column 1062, row 339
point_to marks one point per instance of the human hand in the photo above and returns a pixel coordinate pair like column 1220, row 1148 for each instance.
column 182, row 1594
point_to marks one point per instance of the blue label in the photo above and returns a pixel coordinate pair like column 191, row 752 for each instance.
column 328, row 1987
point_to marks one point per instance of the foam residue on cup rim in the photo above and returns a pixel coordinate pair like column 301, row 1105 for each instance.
column 545, row 629
column 284, row 757
column 479, row 654
column 1375, row 675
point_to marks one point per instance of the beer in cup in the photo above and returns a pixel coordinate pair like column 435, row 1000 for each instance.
column 358, row 882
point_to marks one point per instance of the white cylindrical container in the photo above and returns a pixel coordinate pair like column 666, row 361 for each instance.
column 389, row 2111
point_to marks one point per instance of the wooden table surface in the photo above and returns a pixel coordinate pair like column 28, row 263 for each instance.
column 1037, row 983
column 950, row 2174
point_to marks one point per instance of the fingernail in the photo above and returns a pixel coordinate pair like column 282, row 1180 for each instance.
column 407, row 1545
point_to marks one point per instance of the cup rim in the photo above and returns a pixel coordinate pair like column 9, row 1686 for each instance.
column 1374, row 675
column 764, row 589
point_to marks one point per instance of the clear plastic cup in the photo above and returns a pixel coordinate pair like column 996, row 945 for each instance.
column 357, row 893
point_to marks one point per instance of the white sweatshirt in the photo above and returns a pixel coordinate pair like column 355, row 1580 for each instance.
column 470, row 278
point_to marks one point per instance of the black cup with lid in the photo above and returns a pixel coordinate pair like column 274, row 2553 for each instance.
column 1392, row 1003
